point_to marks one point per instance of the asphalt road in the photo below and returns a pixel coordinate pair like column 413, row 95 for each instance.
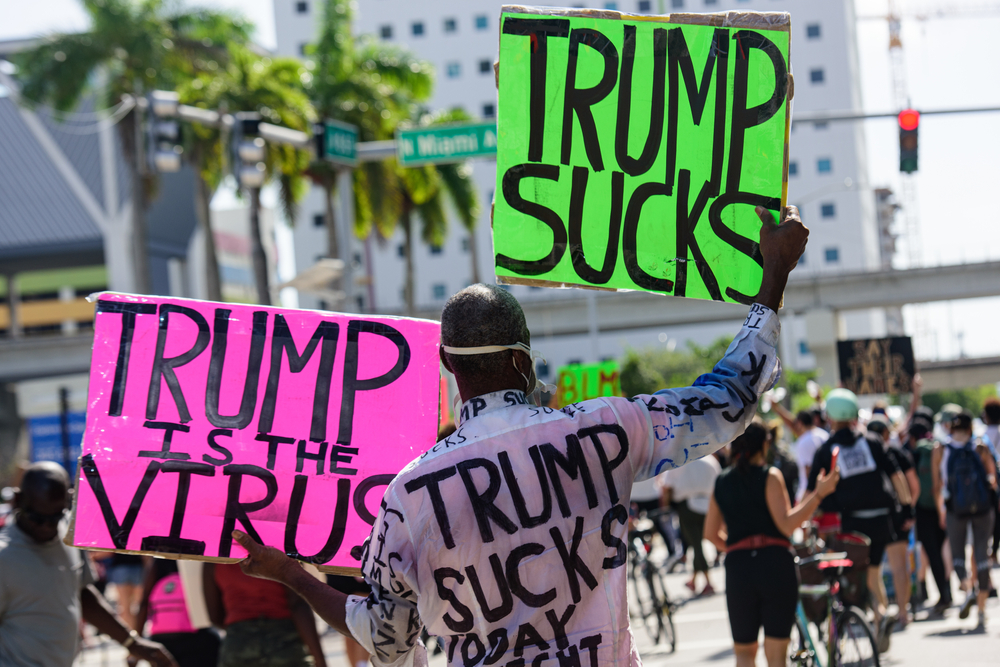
column 703, row 637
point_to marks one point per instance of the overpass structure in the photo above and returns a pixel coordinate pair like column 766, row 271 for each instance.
column 820, row 298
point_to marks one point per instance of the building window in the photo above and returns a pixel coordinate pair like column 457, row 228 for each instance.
column 482, row 22
column 821, row 125
column 611, row 5
column 401, row 250
column 677, row 4
column 489, row 111
column 803, row 347
column 319, row 220
column 817, row 75
column 417, row 28
column 793, row 168
column 302, row 48
column 828, row 210
column 832, row 255
column 385, row 31
column 450, row 25
column 541, row 369
column 812, row 31
column 465, row 245
column 435, row 250
column 824, row 165
column 454, row 70
column 644, row 5
column 357, row 259
column 438, row 290
column 711, row 3
column 485, row 66
column 802, row 260
column 301, row 7
column 360, row 301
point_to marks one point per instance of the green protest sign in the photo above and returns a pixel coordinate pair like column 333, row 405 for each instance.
column 634, row 149
column 581, row 382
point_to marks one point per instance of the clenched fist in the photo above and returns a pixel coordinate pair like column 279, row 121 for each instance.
column 781, row 246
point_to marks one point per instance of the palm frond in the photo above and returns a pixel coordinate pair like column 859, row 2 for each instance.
column 456, row 181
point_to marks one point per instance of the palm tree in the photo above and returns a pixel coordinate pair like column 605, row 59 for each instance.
column 274, row 89
column 143, row 45
column 372, row 86
column 205, row 150
column 423, row 191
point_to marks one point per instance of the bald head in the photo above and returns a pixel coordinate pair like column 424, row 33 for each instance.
column 45, row 479
column 41, row 500
column 482, row 315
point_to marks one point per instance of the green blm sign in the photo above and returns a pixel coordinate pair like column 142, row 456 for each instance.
column 634, row 149
column 439, row 144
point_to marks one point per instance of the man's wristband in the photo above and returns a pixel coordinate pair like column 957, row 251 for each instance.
column 132, row 636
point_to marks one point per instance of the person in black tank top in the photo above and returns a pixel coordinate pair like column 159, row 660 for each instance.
column 751, row 518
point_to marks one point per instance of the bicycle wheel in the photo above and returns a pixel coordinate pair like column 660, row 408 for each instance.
column 647, row 602
column 667, row 633
column 856, row 645
column 799, row 651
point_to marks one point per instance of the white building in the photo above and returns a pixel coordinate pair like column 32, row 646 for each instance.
column 460, row 38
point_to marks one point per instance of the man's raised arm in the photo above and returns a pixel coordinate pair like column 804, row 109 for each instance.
column 692, row 422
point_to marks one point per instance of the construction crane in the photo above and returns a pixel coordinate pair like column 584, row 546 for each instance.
column 907, row 204
column 908, row 220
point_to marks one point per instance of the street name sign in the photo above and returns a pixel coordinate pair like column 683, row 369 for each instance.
column 441, row 144
column 340, row 143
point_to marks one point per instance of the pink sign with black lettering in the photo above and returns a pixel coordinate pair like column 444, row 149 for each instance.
column 287, row 424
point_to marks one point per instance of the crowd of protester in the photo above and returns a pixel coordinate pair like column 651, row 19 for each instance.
column 925, row 483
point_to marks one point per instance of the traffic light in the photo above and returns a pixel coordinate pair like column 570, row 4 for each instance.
column 250, row 149
column 164, row 132
column 909, row 124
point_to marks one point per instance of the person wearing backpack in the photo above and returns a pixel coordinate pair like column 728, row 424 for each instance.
column 964, row 476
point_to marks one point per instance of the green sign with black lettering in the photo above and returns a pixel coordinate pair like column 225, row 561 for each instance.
column 633, row 150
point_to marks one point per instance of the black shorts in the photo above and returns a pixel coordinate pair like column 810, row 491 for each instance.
column 878, row 529
column 762, row 589
column 899, row 528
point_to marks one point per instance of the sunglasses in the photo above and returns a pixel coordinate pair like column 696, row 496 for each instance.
column 44, row 519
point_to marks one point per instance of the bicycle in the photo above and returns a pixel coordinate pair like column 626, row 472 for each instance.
column 850, row 639
column 646, row 582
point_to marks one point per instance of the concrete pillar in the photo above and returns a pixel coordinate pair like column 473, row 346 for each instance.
column 824, row 327
column 66, row 295
column 14, row 306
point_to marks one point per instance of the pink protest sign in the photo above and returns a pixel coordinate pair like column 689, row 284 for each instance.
column 287, row 424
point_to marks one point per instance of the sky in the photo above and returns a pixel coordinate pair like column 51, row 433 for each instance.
column 949, row 63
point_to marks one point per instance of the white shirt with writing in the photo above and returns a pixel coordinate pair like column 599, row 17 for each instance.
column 508, row 537
column 805, row 449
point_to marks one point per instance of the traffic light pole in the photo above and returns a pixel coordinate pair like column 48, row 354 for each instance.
column 835, row 116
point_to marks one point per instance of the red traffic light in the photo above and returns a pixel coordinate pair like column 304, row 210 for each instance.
column 909, row 119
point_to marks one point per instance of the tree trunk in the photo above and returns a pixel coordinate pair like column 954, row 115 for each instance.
column 475, row 256
column 203, row 198
column 332, row 242
column 411, row 307
column 131, row 136
column 257, row 251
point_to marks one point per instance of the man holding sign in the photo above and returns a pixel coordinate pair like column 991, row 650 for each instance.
column 508, row 537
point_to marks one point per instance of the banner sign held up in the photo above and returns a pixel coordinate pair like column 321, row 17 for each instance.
column 286, row 424
column 877, row 366
column 634, row 149
column 582, row 382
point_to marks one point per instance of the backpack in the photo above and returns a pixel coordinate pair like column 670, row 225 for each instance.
column 967, row 488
